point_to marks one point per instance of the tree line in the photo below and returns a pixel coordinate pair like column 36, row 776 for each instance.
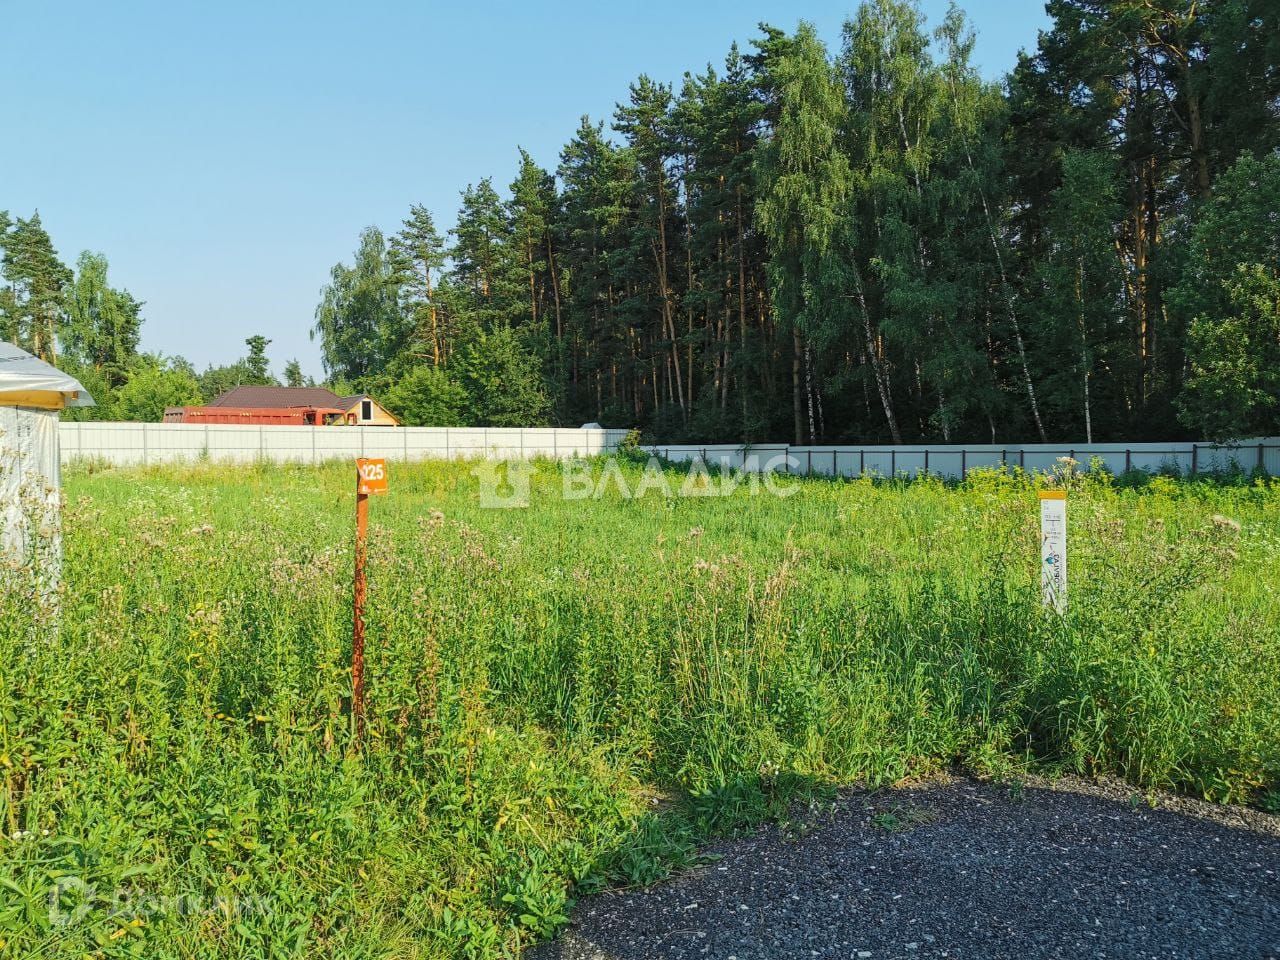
column 870, row 244
column 862, row 242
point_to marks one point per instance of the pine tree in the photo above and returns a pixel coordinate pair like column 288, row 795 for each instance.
column 38, row 283
column 644, row 122
column 293, row 374
column 714, row 125
column 483, row 263
column 256, row 364
column 594, row 234
column 418, row 256
column 531, row 212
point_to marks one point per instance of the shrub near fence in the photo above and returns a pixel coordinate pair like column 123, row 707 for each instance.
column 957, row 461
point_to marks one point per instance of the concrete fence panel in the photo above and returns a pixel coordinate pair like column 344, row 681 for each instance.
column 129, row 444
column 139, row 444
column 958, row 461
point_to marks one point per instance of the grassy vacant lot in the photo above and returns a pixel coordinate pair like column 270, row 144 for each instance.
column 570, row 695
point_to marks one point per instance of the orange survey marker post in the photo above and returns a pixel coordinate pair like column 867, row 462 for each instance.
column 371, row 478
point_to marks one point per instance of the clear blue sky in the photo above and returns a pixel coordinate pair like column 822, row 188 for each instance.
column 225, row 155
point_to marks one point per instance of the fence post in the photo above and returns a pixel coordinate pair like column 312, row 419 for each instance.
column 1128, row 460
column 964, row 462
column 1262, row 460
column 862, row 462
column 1195, row 458
column 893, row 462
column 926, row 461
column 833, row 462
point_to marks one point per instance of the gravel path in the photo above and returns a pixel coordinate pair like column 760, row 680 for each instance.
column 964, row 869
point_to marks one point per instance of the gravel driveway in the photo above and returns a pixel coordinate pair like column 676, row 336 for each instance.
column 964, row 869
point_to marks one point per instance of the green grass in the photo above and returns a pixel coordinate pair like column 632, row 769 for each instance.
column 572, row 695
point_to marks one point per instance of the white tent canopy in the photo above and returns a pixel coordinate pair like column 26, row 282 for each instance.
column 28, row 382
column 31, row 394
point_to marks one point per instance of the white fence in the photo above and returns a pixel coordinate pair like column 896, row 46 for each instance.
column 957, row 461
column 152, row 443
column 127, row 444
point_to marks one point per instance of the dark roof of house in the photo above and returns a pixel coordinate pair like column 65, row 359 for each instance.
column 280, row 397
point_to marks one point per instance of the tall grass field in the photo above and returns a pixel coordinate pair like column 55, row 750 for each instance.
column 573, row 695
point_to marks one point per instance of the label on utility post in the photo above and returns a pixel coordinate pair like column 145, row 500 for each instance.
column 1053, row 549
column 372, row 476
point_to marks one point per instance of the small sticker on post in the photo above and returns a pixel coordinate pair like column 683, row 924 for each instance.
column 372, row 476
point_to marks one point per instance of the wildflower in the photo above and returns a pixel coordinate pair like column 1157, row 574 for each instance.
column 695, row 533
column 1225, row 523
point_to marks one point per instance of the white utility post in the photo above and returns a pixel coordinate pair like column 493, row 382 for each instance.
column 1053, row 549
